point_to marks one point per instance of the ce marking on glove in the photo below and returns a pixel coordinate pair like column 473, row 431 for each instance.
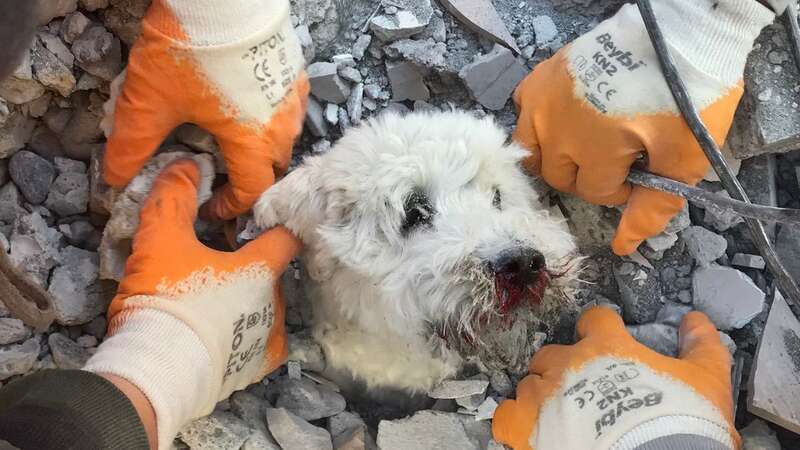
column 603, row 89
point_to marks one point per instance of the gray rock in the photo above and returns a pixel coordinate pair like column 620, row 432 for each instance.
column 545, row 30
column 332, row 113
column 361, row 45
column 307, row 399
column 34, row 247
column 69, row 194
column 10, row 203
column 705, row 246
column 357, row 438
column 304, row 349
column 218, row 431
column 402, row 25
column 260, row 440
column 326, row 84
column 501, row 383
column 424, row 53
column 658, row 337
column 66, row 165
column 721, row 220
column 433, row 429
column 98, row 52
column 344, row 421
column 52, row 9
column 728, row 297
column 306, row 42
column 66, row 353
column 407, row 81
column 315, row 119
column 79, row 233
column 759, row 436
column 351, row 74
column 672, row 314
column 87, row 341
column 454, row 389
column 727, row 342
column 344, row 119
column 749, row 261
column 294, row 433
column 354, row 107
column 661, row 242
column 375, row 92
column 640, row 293
column 32, row 174
column 250, row 408
column 76, row 298
column 197, row 138
column 471, row 402
column 343, row 60
column 18, row 359
column 486, row 409
column 15, row 133
column 491, row 78
column 20, row 87
column 73, row 26
column 56, row 46
column 12, row 330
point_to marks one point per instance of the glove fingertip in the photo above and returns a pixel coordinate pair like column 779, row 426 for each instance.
column 624, row 246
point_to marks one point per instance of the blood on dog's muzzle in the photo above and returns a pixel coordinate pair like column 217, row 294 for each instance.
column 519, row 273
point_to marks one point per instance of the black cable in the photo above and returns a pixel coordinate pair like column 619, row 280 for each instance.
column 679, row 92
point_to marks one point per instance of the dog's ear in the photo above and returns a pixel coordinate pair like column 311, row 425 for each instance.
column 296, row 202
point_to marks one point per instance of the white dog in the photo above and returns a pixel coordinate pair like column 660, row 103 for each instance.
column 427, row 246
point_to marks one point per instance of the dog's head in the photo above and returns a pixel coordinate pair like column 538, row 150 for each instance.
column 433, row 210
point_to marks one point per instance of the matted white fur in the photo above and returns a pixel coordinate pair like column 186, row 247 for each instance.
column 387, row 302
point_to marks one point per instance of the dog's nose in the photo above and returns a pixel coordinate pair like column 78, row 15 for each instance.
column 520, row 264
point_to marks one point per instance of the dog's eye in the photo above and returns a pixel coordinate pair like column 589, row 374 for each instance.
column 497, row 200
column 417, row 212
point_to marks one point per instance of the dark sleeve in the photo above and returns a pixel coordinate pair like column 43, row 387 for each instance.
column 68, row 409
column 18, row 20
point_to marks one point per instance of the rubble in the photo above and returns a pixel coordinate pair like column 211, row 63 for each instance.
column 18, row 359
column 728, row 297
column 640, row 293
column 672, row 314
column 544, row 29
column 482, row 18
column 69, row 194
column 259, row 440
column 12, row 331
column 294, row 433
column 407, row 81
column 56, row 8
column 486, row 409
column 758, row 436
column 705, row 246
column 424, row 53
column 360, row 46
column 357, row 438
column 749, row 261
column 326, row 84
column 491, row 78
column 314, row 119
column 52, row 72
column 307, row 399
column 432, row 429
column 659, row 337
column 455, row 389
column 251, row 409
column 343, row 422
column 787, row 245
column 411, row 18
column 354, row 107
column 77, row 300
column 66, row 353
column 304, row 349
column 34, row 247
column 218, row 431
column 722, row 220
column 15, row 133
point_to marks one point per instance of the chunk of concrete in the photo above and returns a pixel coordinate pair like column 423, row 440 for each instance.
column 658, row 337
column 640, row 292
column 749, row 261
column 66, row 353
column 759, row 436
column 32, row 174
column 672, row 314
column 360, row 46
column 425, row 53
column 326, row 84
column 98, row 52
column 433, row 429
column 491, row 78
column 407, row 81
column 12, row 330
column 69, row 194
column 307, row 399
column 294, row 433
column 355, row 108
column 51, row 71
column 544, row 29
column 18, row 359
column 402, row 25
column 721, row 220
column 454, row 389
column 315, row 119
column 76, row 297
column 481, row 17
column 705, row 246
column 728, row 297
column 218, row 431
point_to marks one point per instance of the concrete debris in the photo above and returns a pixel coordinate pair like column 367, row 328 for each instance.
column 98, row 52
column 332, row 113
column 307, row 399
column 759, row 436
column 218, row 431
column 294, row 433
column 544, row 29
column 672, row 314
column 251, row 409
column 727, row 342
column 501, row 383
column 259, row 440
column 360, row 46
column 640, row 293
column 350, row 74
column 486, row 409
column 293, row 370
column 407, row 81
column 35, row 247
column 344, row 119
column 73, row 26
column 18, row 359
column 87, row 341
column 658, row 337
column 774, row 389
column 411, row 18
column 76, row 298
column 728, row 297
column 12, row 331
column 82, row 134
column 69, row 194
column 66, row 165
column 66, row 353
column 56, row 8
column 661, row 242
column 315, row 120
column 15, row 133
column 304, row 349
column 326, row 84
column 722, row 220
column 705, row 246
column 787, row 245
column 471, row 402
column 343, row 60
column 344, row 421
column 354, row 106
column 749, row 261
column 52, row 72
column 455, row 389
column 20, row 87
column 491, row 78
column 425, row 53
column 433, row 429
column 481, row 17
column 10, row 203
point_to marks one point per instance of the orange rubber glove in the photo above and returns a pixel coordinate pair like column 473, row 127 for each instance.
column 190, row 325
column 588, row 112
column 609, row 391
column 233, row 67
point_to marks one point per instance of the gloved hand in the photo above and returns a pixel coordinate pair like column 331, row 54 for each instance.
column 233, row 67
column 609, row 391
column 190, row 325
column 588, row 112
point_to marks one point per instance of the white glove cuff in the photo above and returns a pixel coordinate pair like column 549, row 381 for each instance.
column 216, row 22
column 714, row 35
column 666, row 426
column 166, row 360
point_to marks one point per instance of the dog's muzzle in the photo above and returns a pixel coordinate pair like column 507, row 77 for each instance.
column 519, row 274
